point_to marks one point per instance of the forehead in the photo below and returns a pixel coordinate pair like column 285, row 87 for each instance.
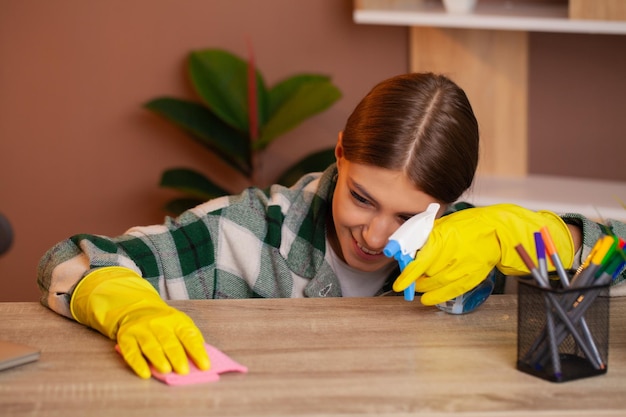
column 388, row 188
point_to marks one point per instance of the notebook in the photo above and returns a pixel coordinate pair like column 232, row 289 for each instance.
column 14, row 354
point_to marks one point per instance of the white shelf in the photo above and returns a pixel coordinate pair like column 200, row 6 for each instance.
column 505, row 15
column 595, row 199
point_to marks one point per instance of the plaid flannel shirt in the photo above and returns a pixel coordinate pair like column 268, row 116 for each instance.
column 260, row 243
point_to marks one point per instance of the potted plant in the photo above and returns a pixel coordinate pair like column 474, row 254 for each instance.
column 237, row 117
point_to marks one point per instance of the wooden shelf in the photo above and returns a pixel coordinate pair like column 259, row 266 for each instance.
column 494, row 15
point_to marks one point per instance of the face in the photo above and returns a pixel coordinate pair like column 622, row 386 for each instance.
column 369, row 204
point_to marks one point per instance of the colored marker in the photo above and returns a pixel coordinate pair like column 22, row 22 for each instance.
column 600, row 252
column 542, row 278
column 554, row 256
column 540, row 248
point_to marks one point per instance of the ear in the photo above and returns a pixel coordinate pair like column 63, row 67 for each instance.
column 339, row 149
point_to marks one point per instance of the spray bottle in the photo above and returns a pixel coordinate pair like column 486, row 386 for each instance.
column 409, row 238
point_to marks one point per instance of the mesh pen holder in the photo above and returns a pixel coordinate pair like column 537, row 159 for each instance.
column 566, row 341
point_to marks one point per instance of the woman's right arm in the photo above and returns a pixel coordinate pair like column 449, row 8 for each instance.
column 59, row 271
column 95, row 281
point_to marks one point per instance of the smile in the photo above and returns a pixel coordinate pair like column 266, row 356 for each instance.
column 368, row 251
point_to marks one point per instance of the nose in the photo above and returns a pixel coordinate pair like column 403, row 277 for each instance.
column 376, row 233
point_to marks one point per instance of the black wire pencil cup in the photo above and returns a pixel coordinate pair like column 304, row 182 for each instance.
column 563, row 316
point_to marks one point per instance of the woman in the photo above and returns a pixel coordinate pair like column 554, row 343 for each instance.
column 412, row 141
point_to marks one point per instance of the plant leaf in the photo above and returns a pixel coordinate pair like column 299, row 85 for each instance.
column 282, row 91
column 233, row 146
column 191, row 182
column 220, row 79
column 253, row 103
column 308, row 99
column 314, row 162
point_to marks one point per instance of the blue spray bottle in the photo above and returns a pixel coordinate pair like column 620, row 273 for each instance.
column 471, row 300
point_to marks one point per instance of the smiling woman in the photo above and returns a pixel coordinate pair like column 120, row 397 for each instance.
column 412, row 141
column 369, row 204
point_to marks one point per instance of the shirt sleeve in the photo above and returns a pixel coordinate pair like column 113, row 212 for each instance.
column 157, row 253
column 591, row 232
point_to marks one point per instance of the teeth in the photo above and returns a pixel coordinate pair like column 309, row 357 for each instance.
column 369, row 252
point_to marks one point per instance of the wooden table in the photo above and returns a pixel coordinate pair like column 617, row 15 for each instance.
column 322, row 357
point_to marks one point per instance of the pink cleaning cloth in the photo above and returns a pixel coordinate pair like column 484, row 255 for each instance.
column 220, row 363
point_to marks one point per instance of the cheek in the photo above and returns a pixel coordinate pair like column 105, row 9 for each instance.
column 347, row 215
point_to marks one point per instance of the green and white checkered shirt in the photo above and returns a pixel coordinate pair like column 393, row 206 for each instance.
column 260, row 243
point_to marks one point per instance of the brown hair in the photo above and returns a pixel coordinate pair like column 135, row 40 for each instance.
column 421, row 124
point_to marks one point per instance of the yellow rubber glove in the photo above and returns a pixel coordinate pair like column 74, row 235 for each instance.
column 123, row 306
column 465, row 246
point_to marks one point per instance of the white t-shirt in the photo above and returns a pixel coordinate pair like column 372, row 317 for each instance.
column 355, row 283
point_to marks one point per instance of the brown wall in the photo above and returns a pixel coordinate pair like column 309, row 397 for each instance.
column 576, row 107
column 77, row 152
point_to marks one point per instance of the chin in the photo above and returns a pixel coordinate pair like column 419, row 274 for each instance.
column 367, row 266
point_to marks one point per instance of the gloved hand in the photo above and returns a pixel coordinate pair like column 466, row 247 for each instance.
column 125, row 307
column 465, row 246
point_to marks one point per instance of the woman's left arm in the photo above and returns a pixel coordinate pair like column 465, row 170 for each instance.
column 585, row 233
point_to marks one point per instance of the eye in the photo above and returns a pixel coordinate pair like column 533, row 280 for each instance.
column 404, row 218
column 358, row 198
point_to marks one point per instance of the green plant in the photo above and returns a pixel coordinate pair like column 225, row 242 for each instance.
column 238, row 117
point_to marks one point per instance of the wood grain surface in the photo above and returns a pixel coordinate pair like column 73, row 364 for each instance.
column 311, row 357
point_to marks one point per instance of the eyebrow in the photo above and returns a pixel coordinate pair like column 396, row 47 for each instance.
column 367, row 195
column 363, row 191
